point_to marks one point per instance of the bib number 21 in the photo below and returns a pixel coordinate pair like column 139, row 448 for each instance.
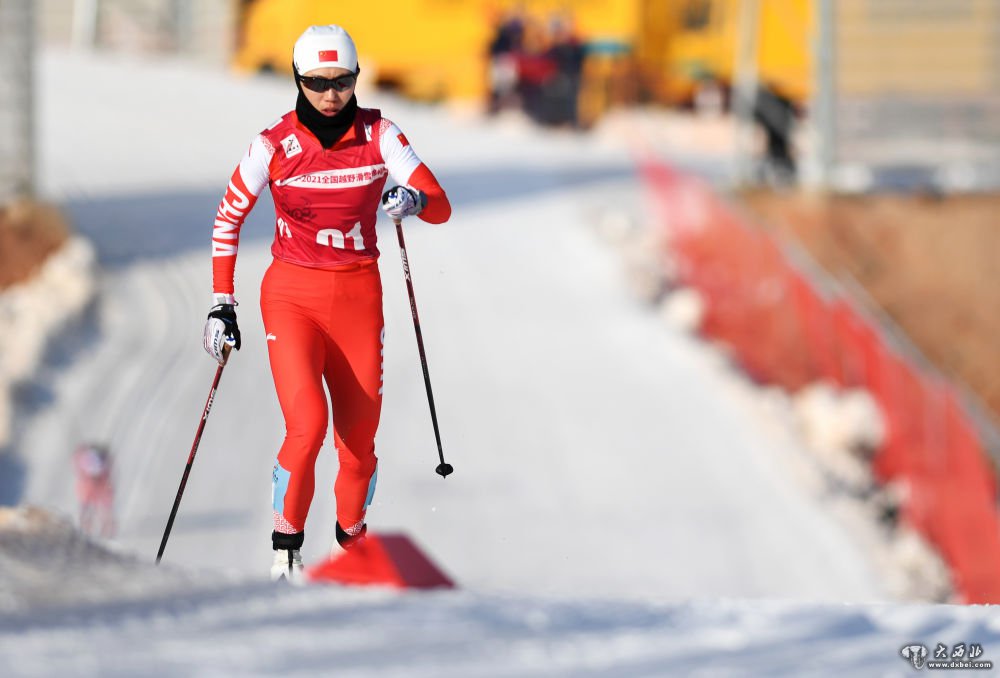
column 335, row 237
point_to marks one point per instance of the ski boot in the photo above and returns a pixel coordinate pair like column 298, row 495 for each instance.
column 287, row 563
column 346, row 540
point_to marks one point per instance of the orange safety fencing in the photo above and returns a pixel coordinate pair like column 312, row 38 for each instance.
column 787, row 323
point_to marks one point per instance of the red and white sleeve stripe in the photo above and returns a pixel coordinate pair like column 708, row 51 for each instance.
column 246, row 184
column 400, row 158
column 406, row 168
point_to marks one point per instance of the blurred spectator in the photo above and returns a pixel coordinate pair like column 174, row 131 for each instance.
column 776, row 116
column 561, row 90
column 94, row 490
column 536, row 66
column 507, row 44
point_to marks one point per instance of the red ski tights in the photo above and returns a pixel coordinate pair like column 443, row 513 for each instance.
column 324, row 326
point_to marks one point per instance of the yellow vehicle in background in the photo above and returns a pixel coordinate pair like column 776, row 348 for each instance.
column 429, row 49
column 654, row 50
column 686, row 45
column 682, row 44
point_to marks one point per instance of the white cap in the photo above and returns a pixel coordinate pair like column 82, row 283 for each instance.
column 324, row 47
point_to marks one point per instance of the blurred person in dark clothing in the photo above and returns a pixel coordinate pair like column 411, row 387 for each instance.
column 776, row 116
column 549, row 73
column 562, row 91
column 507, row 45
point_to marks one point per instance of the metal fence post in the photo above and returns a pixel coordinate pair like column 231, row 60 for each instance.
column 824, row 96
column 17, row 147
column 745, row 90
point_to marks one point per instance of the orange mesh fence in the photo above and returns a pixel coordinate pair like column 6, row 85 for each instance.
column 783, row 330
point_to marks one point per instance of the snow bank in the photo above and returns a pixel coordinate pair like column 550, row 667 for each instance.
column 839, row 430
column 683, row 308
column 264, row 630
column 69, row 606
column 32, row 312
column 46, row 563
column 650, row 271
column 840, row 421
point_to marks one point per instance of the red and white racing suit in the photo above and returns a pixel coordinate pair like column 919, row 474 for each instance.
column 321, row 298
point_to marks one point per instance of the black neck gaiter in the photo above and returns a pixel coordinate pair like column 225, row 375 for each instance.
column 327, row 128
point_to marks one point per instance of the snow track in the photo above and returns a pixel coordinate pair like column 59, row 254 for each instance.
column 591, row 445
column 260, row 630
column 600, row 457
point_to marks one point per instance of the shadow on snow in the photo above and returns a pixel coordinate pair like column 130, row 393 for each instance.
column 151, row 226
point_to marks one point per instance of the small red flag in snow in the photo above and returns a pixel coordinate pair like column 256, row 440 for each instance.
column 328, row 55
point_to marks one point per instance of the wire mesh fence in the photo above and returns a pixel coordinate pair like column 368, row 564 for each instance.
column 916, row 86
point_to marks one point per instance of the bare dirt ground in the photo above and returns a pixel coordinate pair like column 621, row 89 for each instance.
column 931, row 262
column 29, row 233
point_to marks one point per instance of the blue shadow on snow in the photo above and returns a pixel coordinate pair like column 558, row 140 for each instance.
column 148, row 226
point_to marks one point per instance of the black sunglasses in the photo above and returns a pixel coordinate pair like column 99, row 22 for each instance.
column 341, row 83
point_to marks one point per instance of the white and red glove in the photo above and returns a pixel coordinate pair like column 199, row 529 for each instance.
column 402, row 201
column 221, row 328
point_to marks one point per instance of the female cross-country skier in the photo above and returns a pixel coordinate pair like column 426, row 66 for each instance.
column 326, row 163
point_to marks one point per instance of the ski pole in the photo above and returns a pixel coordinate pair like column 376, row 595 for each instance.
column 194, row 449
column 443, row 469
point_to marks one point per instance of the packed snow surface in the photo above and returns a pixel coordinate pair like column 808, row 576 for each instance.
column 617, row 507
